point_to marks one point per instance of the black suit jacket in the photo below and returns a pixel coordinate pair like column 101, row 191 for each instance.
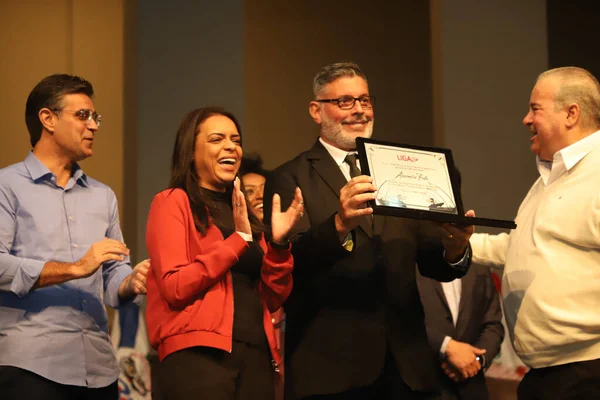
column 348, row 309
column 479, row 323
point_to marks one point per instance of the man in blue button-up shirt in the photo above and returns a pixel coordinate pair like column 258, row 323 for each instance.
column 62, row 256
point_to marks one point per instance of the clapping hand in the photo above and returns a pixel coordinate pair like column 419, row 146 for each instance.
column 135, row 283
column 99, row 253
column 283, row 222
column 240, row 211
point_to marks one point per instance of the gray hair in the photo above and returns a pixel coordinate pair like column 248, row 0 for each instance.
column 577, row 85
column 331, row 72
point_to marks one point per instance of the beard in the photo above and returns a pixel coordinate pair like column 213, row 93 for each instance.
column 335, row 134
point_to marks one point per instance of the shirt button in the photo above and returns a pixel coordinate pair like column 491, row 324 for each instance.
column 71, row 218
column 273, row 320
column 84, row 301
column 75, row 245
column 85, row 331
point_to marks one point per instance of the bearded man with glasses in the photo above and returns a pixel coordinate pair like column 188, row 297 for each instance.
column 62, row 255
column 355, row 326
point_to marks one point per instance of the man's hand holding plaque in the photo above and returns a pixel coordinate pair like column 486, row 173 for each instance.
column 455, row 238
column 354, row 198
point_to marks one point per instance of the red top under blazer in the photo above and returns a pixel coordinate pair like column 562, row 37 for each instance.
column 190, row 290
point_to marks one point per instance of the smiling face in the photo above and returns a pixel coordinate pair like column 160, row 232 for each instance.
column 70, row 135
column 340, row 128
column 545, row 122
column 255, row 188
column 217, row 153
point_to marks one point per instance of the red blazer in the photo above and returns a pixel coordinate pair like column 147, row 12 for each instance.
column 190, row 290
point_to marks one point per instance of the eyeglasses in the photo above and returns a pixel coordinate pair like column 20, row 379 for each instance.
column 348, row 102
column 86, row 115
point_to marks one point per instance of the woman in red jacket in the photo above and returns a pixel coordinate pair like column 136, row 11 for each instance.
column 213, row 279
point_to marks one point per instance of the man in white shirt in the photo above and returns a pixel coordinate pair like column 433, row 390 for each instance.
column 551, row 282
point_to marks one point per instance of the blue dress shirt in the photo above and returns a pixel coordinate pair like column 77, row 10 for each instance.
column 59, row 332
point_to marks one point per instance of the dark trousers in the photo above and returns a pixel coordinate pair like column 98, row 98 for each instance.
column 17, row 383
column 211, row 374
column 575, row 381
column 389, row 386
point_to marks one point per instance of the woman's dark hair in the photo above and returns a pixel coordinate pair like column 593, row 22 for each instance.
column 252, row 163
column 183, row 168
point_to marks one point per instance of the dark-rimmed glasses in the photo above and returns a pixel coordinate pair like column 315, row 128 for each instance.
column 348, row 102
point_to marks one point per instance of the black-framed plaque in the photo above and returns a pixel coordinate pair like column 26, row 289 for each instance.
column 417, row 182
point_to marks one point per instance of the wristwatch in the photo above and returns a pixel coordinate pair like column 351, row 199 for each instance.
column 481, row 360
column 280, row 246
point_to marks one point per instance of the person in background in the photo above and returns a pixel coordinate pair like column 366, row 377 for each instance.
column 214, row 280
column 134, row 380
column 62, row 256
column 254, row 177
column 464, row 326
column 551, row 280
column 355, row 325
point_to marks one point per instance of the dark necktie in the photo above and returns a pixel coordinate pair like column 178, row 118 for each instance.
column 351, row 161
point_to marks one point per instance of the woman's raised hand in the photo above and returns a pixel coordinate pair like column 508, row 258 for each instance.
column 240, row 211
column 282, row 222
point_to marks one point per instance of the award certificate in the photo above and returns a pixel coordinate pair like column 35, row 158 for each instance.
column 417, row 182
